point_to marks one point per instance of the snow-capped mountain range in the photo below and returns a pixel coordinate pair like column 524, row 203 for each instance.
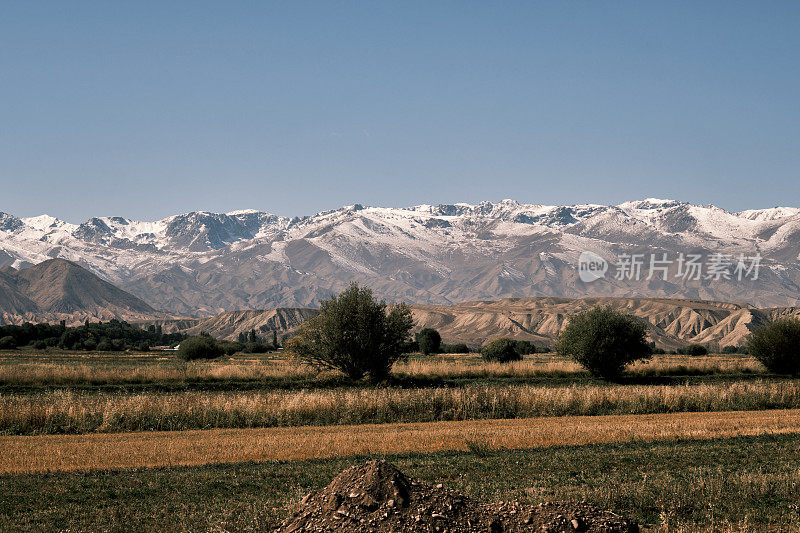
column 203, row 263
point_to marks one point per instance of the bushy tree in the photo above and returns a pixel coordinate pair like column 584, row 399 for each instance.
column 777, row 346
column 455, row 348
column 355, row 334
column 731, row 349
column 104, row 345
column 502, row 350
column 694, row 350
column 200, row 347
column 429, row 341
column 525, row 347
column 604, row 341
column 256, row 347
column 8, row 343
column 230, row 347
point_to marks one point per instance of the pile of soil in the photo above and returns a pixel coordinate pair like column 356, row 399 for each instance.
column 376, row 496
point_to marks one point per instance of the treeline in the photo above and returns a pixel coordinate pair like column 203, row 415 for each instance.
column 204, row 346
column 114, row 335
column 429, row 341
column 699, row 349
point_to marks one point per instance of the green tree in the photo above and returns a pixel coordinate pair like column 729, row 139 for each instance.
column 501, row 350
column 694, row 350
column 230, row 347
column 275, row 339
column 200, row 347
column 777, row 346
column 8, row 343
column 355, row 334
column 525, row 347
column 429, row 341
column 252, row 337
column 604, row 341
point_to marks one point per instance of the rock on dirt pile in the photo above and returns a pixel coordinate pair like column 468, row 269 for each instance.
column 376, row 496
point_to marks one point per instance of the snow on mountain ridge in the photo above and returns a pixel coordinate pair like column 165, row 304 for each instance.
column 201, row 231
column 438, row 253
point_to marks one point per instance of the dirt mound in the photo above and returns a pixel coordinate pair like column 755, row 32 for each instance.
column 376, row 496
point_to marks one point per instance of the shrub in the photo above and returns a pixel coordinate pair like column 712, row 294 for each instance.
column 354, row 333
column 777, row 346
column 8, row 343
column 104, row 345
column 256, row 347
column 429, row 341
column 693, row 350
column 501, row 350
column 455, row 348
column 525, row 347
column 231, row 347
column 734, row 349
column 604, row 341
column 409, row 347
column 201, row 347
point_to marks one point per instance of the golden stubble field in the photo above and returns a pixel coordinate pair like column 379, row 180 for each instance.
column 51, row 453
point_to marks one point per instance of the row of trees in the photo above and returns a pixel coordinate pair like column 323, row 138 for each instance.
column 204, row 346
column 114, row 335
column 257, row 344
column 359, row 336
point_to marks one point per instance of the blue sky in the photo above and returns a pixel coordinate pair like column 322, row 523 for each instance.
column 146, row 109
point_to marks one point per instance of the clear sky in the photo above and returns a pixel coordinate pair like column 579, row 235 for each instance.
column 146, row 109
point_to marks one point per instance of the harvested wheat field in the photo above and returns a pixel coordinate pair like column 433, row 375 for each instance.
column 48, row 453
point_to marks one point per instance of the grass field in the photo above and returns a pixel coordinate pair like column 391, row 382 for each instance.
column 681, row 443
column 27, row 369
column 70, row 412
column 26, row 454
column 736, row 484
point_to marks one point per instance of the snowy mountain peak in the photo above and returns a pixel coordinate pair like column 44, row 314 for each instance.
column 46, row 224
column 649, row 204
column 204, row 262
column 774, row 213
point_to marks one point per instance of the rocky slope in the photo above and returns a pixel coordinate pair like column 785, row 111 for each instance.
column 202, row 263
column 60, row 290
column 229, row 325
column 672, row 322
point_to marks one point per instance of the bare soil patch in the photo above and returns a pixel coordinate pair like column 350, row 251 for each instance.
column 377, row 497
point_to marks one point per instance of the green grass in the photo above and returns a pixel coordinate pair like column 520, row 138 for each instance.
column 726, row 484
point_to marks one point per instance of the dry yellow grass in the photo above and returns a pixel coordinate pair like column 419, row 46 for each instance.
column 65, row 411
column 93, row 369
column 48, row 453
column 86, row 371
